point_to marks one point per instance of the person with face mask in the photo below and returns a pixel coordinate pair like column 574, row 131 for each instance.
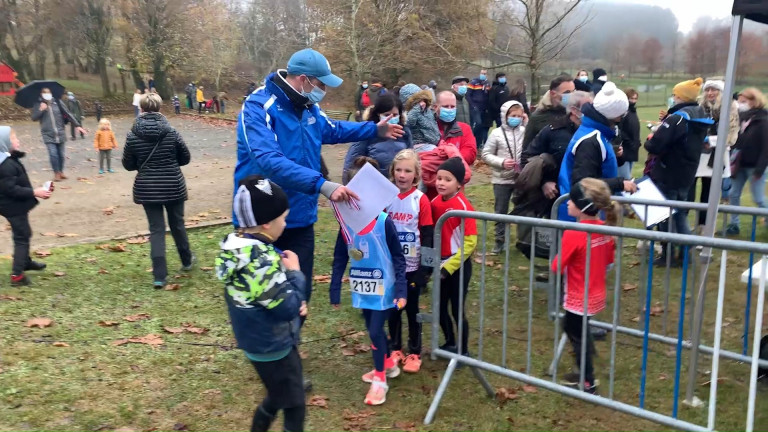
column 371, row 94
column 498, row 95
column 382, row 150
column 478, row 96
column 74, row 107
column 359, row 101
column 551, row 106
column 52, row 113
column 674, row 152
column 582, row 81
column 590, row 153
column 459, row 87
column 752, row 148
column 281, row 129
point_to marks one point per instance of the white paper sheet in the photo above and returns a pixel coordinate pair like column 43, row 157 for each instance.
column 757, row 273
column 647, row 190
column 375, row 192
column 704, row 170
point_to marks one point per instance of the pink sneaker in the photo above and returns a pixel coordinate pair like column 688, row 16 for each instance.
column 412, row 363
column 391, row 373
column 377, row 394
column 397, row 357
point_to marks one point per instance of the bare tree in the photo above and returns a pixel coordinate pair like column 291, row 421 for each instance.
column 94, row 23
column 21, row 35
column 652, row 54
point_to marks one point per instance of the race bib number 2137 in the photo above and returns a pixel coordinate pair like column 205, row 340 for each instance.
column 366, row 281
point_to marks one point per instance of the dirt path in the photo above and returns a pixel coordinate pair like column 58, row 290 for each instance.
column 77, row 206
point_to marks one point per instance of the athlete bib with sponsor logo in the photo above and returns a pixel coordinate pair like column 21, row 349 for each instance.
column 405, row 214
column 372, row 278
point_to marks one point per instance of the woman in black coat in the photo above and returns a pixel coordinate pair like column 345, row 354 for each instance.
column 17, row 199
column 629, row 129
column 157, row 151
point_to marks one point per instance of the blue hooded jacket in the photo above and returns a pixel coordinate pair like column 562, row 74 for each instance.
column 281, row 143
column 595, row 133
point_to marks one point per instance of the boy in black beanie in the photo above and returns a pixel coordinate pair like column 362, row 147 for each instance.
column 455, row 244
column 265, row 297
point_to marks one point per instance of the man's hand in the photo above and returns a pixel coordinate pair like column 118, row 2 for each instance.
column 630, row 186
column 81, row 131
column 662, row 114
column 342, row 193
column 549, row 189
column 43, row 106
column 620, row 151
column 303, row 309
column 42, row 193
column 389, row 131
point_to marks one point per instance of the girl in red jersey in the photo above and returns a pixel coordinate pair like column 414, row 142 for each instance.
column 412, row 215
column 588, row 197
column 450, row 175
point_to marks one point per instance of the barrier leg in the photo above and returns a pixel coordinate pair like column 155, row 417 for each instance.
column 441, row 391
column 483, row 382
column 558, row 353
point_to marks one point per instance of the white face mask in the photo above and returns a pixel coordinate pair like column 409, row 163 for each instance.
column 744, row 107
column 47, row 96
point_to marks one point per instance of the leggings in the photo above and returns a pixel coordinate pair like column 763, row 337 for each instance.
column 105, row 155
column 285, row 391
column 449, row 292
column 374, row 322
column 572, row 327
column 414, row 327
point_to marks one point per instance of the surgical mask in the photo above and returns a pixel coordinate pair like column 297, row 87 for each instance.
column 671, row 102
column 71, row 97
column 462, row 90
column 394, row 120
column 566, row 98
column 447, row 115
column 514, row 122
column 583, row 78
column 47, row 96
column 744, row 107
column 365, row 86
column 482, row 77
column 502, row 80
column 315, row 96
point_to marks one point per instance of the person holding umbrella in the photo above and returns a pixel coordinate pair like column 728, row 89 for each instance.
column 53, row 116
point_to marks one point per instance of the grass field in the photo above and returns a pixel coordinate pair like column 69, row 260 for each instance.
column 199, row 382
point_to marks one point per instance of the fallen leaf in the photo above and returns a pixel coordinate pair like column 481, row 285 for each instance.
column 633, row 264
column 345, row 279
column 7, row 297
column 49, row 234
column 629, row 287
column 108, row 323
column 348, row 352
column 662, row 377
column 39, row 322
column 108, row 211
column 206, row 268
column 137, row 317
column 172, row 287
column 405, row 426
column 318, row 401
column 91, row 260
column 137, row 240
column 362, row 348
column 180, row 427
column 68, row 235
column 83, row 179
column 636, row 319
column 118, row 248
column 657, row 309
column 522, row 268
column 708, row 383
column 42, row 253
column 150, row 339
column 202, row 215
column 303, row 355
column 195, row 330
column 212, row 392
column 120, row 220
column 59, row 274
column 322, row 278
column 61, row 344
column 530, row 389
column 64, row 187
column 504, row 394
column 103, row 271
column 174, row 330
column 103, row 246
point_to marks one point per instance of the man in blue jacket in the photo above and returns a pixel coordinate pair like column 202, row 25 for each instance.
column 279, row 135
column 478, row 97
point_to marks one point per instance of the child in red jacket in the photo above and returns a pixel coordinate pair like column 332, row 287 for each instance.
column 588, row 197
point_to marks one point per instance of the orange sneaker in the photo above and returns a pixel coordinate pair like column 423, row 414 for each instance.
column 412, row 363
column 397, row 356
column 390, row 372
column 377, row 394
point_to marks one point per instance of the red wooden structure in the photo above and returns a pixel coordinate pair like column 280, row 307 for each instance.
column 8, row 80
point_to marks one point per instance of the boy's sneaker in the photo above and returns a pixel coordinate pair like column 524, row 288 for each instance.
column 590, row 388
column 101, row 171
column 158, row 284
column 111, row 170
column 392, row 372
column 377, row 394
column 35, row 266
column 192, row 261
column 571, row 379
column 20, row 280
column 397, row 357
column 412, row 363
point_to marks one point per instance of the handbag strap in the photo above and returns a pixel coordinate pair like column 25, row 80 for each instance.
column 154, row 149
column 512, row 154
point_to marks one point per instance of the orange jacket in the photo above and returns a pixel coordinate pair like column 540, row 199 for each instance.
column 104, row 140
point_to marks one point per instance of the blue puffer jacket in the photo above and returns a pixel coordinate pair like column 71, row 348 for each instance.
column 595, row 159
column 280, row 139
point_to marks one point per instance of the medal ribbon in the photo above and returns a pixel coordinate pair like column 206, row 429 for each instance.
column 344, row 228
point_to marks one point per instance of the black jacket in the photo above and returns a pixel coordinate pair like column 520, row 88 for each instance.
column 540, row 119
column 17, row 196
column 161, row 180
column 498, row 94
column 753, row 142
column 552, row 140
column 583, row 86
column 630, row 135
column 677, row 146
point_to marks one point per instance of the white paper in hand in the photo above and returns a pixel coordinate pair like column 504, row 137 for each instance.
column 375, row 192
column 650, row 215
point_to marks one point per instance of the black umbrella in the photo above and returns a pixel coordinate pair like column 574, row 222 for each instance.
column 28, row 95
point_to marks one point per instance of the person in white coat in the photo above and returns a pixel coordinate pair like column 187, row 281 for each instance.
column 502, row 151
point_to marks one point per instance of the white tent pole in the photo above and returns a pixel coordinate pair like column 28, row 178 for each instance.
column 714, row 199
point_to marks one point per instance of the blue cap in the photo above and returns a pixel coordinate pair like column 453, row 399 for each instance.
column 311, row 63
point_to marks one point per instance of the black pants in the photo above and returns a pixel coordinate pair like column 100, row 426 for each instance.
column 200, row 107
column 285, row 391
column 156, row 221
column 706, row 183
column 572, row 328
column 302, row 242
column 449, row 292
column 414, row 327
column 502, row 194
column 177, row 109
column 72, row 128
column 22, row 233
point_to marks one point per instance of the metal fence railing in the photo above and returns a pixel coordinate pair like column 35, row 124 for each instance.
column 488, row 354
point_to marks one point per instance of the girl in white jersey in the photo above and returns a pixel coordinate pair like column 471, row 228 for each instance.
column 412, row 214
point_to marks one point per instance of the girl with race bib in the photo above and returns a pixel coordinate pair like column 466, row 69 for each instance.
column 412, row 214
column 377, row 281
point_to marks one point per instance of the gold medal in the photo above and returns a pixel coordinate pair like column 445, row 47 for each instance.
column 355, row 254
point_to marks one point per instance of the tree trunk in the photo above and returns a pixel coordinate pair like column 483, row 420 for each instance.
column 101, row 64
column 57, row 61
column 122, row 80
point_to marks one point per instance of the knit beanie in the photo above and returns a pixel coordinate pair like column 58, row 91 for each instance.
column 258, row 201
column 454, row 166
column 598, row 73
column 407, row 91
column 716, row 84
column 611, row 102
column 688, row 91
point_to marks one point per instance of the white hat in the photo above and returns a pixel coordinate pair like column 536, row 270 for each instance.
column 718, row 84
column 611, row 102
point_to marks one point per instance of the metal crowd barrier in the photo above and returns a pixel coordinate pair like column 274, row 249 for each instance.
column 478, row 363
